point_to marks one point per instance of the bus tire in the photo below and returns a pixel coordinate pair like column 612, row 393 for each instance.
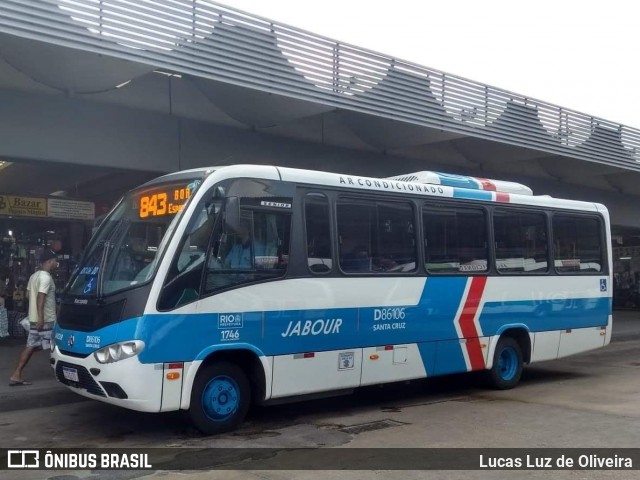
column 220, row 398
column 507, row 364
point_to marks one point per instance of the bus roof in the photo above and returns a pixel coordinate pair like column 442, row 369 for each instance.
column 433, row 190
column 450, row 186
column 463, row 181
column 181, row 175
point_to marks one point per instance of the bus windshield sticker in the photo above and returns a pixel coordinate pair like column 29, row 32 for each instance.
column 89, row 270
column 90, row 286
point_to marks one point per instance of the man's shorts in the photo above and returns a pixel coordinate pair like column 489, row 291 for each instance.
column 40, row 339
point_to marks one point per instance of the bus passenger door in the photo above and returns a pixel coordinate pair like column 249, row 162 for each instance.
column 183, row 332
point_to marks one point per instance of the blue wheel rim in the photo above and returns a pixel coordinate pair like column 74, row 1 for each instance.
column 508, row 363
column 221, row 398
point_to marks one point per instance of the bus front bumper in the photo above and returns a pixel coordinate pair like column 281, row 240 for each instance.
column 127, row 383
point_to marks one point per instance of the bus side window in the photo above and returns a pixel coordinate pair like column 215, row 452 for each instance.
column 318, row 233
column 376, row 237
column 356, row 220
column 257, row 251
column 577, row 244
column 455, row 240
column 521, row 241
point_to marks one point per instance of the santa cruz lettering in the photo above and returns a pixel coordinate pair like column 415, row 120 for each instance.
column 387, row 318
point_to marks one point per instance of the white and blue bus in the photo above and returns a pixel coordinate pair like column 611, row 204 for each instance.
column 211, row 289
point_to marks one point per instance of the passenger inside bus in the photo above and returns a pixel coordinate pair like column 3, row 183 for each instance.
column 358, row 260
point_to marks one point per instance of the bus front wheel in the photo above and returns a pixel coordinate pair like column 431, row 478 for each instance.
column 507, row 364
column 220, row 398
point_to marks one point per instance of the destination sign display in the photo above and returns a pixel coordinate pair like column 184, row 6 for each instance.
column 166, row 200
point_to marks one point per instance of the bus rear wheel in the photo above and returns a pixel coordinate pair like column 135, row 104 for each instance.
column 220, row 398
column 507, row 364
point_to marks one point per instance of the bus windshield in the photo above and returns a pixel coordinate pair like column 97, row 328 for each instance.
column 129, row 243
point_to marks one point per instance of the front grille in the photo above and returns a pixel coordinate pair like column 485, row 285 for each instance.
column 74, row 354
column 86, row 381
column 90, row 317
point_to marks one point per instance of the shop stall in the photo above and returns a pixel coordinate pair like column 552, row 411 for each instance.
column 29, row 224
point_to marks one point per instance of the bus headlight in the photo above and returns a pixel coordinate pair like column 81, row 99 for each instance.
column 118, row 351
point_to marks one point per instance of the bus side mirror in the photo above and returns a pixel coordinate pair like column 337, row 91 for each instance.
column 232, row 214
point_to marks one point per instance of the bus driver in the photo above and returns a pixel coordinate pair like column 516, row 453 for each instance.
column 240, row 254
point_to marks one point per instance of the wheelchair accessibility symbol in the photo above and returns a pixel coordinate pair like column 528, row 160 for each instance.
column 89, row 286
column 603, row 285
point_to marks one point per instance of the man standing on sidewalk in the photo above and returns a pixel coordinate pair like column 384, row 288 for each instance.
column 42, row 313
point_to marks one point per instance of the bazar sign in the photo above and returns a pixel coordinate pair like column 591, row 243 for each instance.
column 19, row 206
column 71, row 209
column 23, row 206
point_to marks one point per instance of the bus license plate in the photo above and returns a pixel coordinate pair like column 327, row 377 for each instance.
column 70, row 374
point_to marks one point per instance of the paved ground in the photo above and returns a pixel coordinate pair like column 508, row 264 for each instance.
column 590, row 400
